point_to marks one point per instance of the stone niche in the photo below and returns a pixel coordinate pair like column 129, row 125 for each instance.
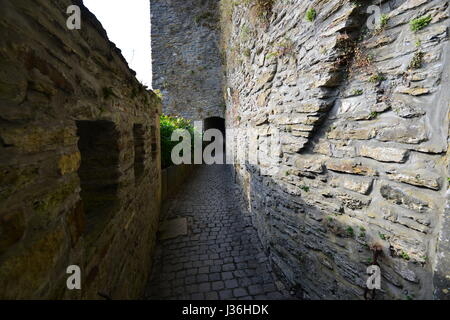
column 79, row 158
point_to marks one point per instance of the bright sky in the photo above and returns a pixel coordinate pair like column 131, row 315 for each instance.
column 128, row 26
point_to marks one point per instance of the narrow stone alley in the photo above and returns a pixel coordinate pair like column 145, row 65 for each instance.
column 220, row 257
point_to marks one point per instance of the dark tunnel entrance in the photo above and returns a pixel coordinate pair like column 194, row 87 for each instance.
column 215, row 123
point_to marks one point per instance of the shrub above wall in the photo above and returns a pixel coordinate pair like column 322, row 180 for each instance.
column 168, row 125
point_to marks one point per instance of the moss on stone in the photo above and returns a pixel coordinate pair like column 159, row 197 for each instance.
column 69, row 163
column 56, row 198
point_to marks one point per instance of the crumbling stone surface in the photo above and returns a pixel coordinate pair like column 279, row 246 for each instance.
column 186, row 57
column 364, row 148
column 54, row 85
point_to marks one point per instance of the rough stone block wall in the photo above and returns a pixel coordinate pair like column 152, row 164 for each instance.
column 186, row 57
column 79, row 158
column 363, row 118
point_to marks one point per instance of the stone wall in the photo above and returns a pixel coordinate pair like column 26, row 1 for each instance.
column 79, row 158
column 186, row 61
column 172, row 178
column 363, row 119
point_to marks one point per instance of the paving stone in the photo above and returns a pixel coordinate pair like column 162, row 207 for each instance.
column 274, row 295
column 192, row 288
column 215, row 268
column 270, row 287
column 204, row 287
column 226, row 294
column 218, row 285
column 240, row 292
column 214, row 276
column 230, row 284
column 245, row 282
column 202, row 278
column 211, row 296
column 227, row 275
column 198, row 296
column 255, row 290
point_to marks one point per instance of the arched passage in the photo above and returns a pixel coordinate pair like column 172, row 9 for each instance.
column 214, row 123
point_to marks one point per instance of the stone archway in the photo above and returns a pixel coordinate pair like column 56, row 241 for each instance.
column 216, row 123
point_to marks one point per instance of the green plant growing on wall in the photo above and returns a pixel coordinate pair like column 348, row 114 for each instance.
column 384, row 20
column 409, row 297
column 304, row 188
column 420, row 23
column 417, row 60
column 382, row 236
column 168, row 124
column 373, row 115
column 404, row 255
column 158, row 93
column 377, row 78
column 350, row 232
column 362, row 233
column 311, row 15
column 357, row 92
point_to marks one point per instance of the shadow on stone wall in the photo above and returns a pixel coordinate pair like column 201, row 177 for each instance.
column 319, row 255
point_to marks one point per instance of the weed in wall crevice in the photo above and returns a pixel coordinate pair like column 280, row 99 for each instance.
column 264, row 8
column 417, row 60
column 311, row 15
column 420, row 23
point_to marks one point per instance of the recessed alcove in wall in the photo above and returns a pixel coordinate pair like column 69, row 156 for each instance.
column 139, row 151
column 154, row 140
column 99, row 173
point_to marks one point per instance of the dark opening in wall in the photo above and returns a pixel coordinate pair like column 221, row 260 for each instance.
column 139, row 151
column 214, row 123
column 154, row 140
column 99, row 174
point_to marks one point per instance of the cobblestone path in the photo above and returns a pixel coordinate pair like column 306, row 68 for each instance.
column 220, row 257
